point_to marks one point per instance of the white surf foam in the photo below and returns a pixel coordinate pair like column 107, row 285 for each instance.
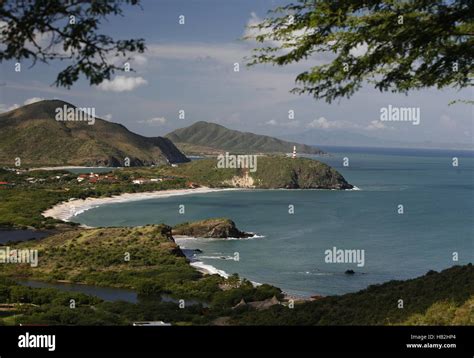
column 201, row 266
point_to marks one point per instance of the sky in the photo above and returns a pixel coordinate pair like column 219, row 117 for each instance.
column 190, row 67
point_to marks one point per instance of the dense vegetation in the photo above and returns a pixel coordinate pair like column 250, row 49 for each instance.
column 211, row 138
column 444, row 298
column 424, row 302
column 396, row 46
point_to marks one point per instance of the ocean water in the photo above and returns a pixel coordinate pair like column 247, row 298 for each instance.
column 437, row 223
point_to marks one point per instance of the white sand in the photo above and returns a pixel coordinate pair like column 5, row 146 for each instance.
column 68, row 209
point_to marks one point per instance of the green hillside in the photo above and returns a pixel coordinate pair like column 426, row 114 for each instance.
column 272, row 172
column 437, row 298
column 210, row 138
column 32, row 134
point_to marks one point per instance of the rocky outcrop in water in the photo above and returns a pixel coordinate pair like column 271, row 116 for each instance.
column 220, row 228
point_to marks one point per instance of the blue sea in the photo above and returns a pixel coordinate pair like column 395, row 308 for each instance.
column 435, row 231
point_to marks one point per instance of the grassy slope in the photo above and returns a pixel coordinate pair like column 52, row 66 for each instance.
column 32, row 134
column 304, row 173
column 210, row 136
column 97, row 256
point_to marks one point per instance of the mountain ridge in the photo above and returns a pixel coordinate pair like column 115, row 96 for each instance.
column 33, row 134
column 214, row 138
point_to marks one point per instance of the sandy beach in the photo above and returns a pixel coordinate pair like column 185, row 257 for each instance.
column 68, row 209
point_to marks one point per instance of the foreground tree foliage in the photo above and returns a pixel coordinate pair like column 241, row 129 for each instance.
column 395, row 45
column 48, row 30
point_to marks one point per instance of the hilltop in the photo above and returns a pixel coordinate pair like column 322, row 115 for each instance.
column 33, row 134
column 211, row 138
column 272, row 172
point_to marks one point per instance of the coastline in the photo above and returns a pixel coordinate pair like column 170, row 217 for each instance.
column 68, row 209
column 207, row 269
column 199, row 265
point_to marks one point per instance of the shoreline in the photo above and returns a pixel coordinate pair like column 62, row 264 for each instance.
column 208, row 269
column 198, row 264
column 68, row 209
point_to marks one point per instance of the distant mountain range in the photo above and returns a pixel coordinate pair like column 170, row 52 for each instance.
column 33, row 134
column 210, row 138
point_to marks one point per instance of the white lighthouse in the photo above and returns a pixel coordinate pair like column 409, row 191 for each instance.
column 294, row 152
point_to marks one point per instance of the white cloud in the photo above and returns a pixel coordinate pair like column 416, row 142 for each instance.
column 289, row 124
column 6, row 108
column 321, row 122
column 375, row 124
column 359, row 50
column 324, row 123
column 156, row 121
column 122, row 84
column 33, row 100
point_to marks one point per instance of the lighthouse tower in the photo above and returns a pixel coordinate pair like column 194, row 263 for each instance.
column 294, row 152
